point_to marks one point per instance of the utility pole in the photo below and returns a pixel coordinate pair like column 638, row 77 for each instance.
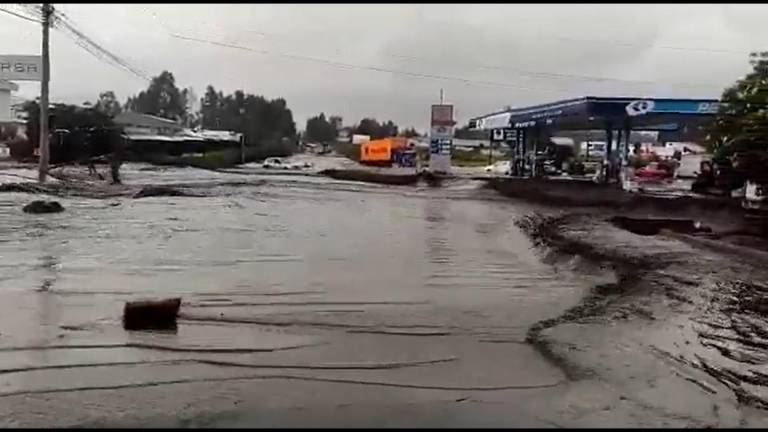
column 44, row 147
column 242, row 148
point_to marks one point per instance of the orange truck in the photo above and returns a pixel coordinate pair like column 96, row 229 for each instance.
column 381, row 151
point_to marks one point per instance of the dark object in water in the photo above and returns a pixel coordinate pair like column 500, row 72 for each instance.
column 38, row 207
column 371, row 176
column 649, row 227
column 432, row 179
column 151, row 314
column 153, row 191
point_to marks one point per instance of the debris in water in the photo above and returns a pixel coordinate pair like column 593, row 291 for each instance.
column 654, row 226
column 151, row 314
column 38, row 207
column 154, row 191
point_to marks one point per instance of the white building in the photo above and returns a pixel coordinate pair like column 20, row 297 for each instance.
column 6, row 87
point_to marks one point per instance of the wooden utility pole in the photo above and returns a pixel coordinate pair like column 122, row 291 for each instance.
column 44, row 148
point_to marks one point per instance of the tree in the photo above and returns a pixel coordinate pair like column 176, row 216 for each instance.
column 86, row 132
column 320, row 130
column 372, row 128
column 162, row 99
column 108, row 104
column 190, row 116
column 410, row 133
column 261, row 120
column 388, row 129
column 336, row 122
column 743, row 112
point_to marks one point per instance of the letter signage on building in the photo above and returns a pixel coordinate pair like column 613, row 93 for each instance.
column 21, row 67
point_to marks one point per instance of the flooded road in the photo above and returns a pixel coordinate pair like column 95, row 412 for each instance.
column 298, row 292
column 314, row 302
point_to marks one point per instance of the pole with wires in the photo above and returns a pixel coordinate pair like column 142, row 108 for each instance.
column 44, row 144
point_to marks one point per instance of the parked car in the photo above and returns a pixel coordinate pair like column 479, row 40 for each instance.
column 501, row 167
column 653, row 171
column 277, row 163
column 756, row 197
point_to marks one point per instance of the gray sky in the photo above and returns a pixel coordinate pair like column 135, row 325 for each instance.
column 494, row 55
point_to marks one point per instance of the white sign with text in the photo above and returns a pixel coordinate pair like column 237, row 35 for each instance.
column 21, row 67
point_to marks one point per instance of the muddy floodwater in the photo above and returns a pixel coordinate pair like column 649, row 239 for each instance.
column 306, row 302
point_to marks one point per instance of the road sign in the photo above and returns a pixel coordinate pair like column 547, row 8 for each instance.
column 440, row 146
column 21, row 67
column 503, row 135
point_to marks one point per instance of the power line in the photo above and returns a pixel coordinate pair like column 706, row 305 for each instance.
column 540, row 74
column 18, row 15
column 674, row 48
column 555, row 75
column 65, row 24
column 70, row 26
column 362, row 67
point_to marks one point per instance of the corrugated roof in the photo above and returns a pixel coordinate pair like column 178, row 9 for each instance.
column 146, row 120
column 8, row 85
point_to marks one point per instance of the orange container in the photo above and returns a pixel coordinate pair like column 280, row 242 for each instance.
column 380, row 150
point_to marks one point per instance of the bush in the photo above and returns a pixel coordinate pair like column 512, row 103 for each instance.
column 21, row 148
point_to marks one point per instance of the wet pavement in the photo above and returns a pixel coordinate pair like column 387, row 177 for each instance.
column 314, row 302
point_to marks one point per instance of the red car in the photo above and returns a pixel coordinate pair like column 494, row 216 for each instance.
column 653, row 171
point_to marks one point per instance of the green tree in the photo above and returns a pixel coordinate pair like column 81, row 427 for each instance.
column 320, row 130
column 336, row 122
column 374, row 129
column 409, row 133
column 89, row 132
column 743, row 113
column 162, row 98
column 259, row 119
column 108, row 104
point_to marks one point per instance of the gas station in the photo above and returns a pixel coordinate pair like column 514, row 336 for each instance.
column 524, row 129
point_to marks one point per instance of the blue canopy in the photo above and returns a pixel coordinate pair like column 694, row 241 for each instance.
column 599, row 113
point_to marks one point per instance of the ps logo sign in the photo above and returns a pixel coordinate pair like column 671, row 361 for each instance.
column 639, row 107
column 498, row 135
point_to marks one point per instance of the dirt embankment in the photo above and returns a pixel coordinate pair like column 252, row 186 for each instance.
column 573, row 193
column 682, row 329
column 387, row 178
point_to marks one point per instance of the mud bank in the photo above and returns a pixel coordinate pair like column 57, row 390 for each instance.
column 583, row 193
column 682, row 331
column 396, row 179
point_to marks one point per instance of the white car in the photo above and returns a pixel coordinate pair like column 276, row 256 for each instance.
column 277, row 163
column 501, row 167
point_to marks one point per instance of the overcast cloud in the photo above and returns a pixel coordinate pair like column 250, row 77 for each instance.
column 496, row 55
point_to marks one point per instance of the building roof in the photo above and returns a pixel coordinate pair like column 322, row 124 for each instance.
column 130, row 118
column 188, row 135
column 8, row 85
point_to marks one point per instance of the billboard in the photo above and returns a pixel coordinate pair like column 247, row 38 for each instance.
column 442, row 115
column 21, row 67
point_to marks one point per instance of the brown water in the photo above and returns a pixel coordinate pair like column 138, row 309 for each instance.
column 315, row 293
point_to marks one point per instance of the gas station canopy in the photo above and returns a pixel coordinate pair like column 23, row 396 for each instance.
column 602, row 113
